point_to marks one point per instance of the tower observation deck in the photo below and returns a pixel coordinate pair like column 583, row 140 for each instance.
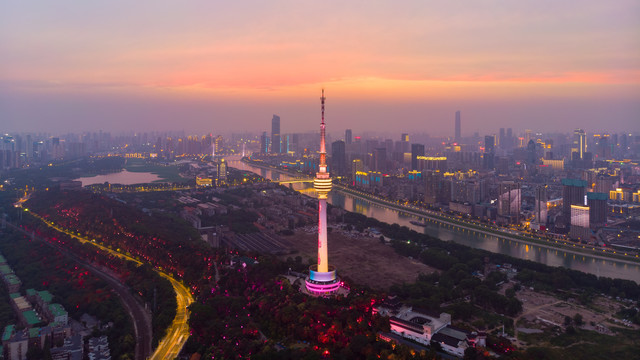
column 322, row 279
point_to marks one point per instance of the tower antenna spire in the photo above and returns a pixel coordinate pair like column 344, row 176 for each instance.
column 323, row 146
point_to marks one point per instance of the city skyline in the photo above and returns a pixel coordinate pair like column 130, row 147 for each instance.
column 92, row 67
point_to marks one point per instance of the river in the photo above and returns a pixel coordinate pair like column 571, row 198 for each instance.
column 541, row 254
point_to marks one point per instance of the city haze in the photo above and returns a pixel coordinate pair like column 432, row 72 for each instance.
column 211, row 67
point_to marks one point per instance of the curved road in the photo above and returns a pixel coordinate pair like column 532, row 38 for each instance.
column 141, row 318
column 178, row 333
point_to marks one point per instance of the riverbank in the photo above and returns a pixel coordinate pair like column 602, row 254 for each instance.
column 577, row 249
column 443, row 219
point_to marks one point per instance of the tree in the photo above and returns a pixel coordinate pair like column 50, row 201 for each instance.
column 577, row 319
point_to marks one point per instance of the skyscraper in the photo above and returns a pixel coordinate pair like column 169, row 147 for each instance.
column 338, row 157
column 458, row 129
column 416, row 150
column 348, row 136
column 540, row 205
column 509, row 201
column 275, row 135
column 380, row 159
column 322, row 278
column 264, row 143
column 573, row 193
column 597, row 203
column 579, row 142
column 489, row 151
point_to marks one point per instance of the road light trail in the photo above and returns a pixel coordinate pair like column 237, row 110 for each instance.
column 178, row 333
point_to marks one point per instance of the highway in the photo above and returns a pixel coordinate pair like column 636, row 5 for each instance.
column 178, row 333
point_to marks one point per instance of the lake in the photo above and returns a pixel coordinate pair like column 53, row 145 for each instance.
column 123, row 177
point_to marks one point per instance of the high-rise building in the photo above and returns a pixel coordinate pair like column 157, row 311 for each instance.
column 573, row 193
column 356, row 166
column 509, row 201
column 348, row 136
column 264, row 143
column 597, row 203
column 338, row 157
column 322, row 277
column 579, row 143
column 276, row 142
column 489, row 152
column 602, row 146
column 540, row 205
column 489, row 144
column 433, row 186
column 404, row 146
column 458, row 129
column 380, row 159
column 579, row 223
column 416, row 150
column 222, row 172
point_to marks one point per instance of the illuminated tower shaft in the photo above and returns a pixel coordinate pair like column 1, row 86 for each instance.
column 322, row 184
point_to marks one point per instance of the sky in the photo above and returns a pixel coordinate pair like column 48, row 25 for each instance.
column 388, row 66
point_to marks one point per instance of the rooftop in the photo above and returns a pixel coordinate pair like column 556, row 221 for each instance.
column 574, row 182
column 31, row 317
column 57, row 310
column 8, row 331
column 12, row 279
column 5, row 269
column 45, row 296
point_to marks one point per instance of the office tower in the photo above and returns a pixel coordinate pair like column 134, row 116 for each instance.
column 489, row 152
column 222, row 172
column 338, row 157
column 432, row 191
column 528, row 136
column 489, row 144
column 380, row 159
column 597, row 203
column 404, row 144
column 348, row 136
column 458, row 130
column 29, row 150
column 388, row 144
column 579, row 143
column 579, row 223
column 540, row 205
column 509, row 200
column 501, row 139
column 416, row 150
column 573, row 193
column 322, row 278
column 264, row 143
column 603, row 146
column 356, row 166
column 275, row 135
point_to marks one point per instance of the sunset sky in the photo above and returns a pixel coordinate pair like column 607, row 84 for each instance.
column 396, row 66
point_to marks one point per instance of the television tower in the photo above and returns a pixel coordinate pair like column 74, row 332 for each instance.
column 322, row 277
